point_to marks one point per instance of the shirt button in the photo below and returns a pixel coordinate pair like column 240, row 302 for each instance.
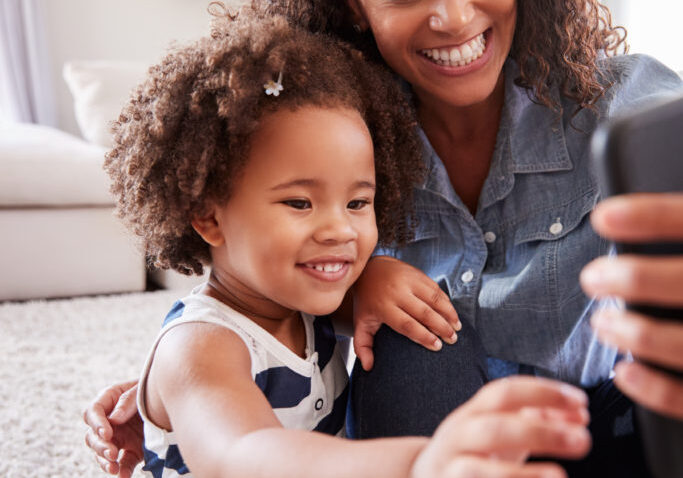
column 556, row 228
column 467, row 276
column 490, row 237
column 319, row 404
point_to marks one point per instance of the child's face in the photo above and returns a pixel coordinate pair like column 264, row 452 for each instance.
column 300, row 224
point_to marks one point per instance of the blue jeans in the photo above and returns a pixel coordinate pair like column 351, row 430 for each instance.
column 411, row 389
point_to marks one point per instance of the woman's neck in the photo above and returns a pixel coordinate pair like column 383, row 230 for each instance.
column 282, row 323
column 464, row 137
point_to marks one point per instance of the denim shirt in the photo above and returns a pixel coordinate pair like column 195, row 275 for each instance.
column 512, row 270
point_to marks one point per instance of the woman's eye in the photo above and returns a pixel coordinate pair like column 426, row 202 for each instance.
column 297, row 203
column 358, row 204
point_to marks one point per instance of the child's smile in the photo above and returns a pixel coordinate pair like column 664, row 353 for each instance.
column 300, row 224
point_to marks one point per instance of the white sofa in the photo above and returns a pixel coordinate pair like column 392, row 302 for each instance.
column 59, row 236
column 58, row 233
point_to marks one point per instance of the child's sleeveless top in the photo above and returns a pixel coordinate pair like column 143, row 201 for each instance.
column 307, row 394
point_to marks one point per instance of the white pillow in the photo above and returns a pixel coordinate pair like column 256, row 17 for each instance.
column 100, row 89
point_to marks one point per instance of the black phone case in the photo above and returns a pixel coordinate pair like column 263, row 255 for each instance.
column 643, row 152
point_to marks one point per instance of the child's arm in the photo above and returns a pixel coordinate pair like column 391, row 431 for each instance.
column 392, row 292
column 225, row 426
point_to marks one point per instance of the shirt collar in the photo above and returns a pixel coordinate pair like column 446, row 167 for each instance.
column 535, row 132
column 530, row 139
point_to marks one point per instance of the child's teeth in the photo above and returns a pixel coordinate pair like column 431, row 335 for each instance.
column 327, row 267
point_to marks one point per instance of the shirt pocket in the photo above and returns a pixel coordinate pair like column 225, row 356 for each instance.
column 556, row 222
column 537, row 300
column 559, row 241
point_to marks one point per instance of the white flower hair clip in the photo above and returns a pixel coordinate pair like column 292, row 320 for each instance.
column 274, row 87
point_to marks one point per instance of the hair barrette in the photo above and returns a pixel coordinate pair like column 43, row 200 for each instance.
column 274, row 87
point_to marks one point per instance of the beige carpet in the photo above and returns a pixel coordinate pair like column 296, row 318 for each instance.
column 54, row 357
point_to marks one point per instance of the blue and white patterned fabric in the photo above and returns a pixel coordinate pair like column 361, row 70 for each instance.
column 306, row 394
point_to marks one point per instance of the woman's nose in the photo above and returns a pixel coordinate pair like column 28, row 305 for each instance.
column 451, row 15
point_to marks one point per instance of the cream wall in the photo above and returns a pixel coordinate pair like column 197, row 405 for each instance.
column 114, row 30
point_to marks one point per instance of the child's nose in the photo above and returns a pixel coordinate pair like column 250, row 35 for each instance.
column 335, row 227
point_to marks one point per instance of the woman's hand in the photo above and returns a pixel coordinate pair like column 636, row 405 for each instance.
column 397, row 294
column 642, row 279
column 506, row 421
column 115, row 433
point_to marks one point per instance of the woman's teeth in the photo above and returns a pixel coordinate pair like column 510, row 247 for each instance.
column 458, row 55
column 326, row 267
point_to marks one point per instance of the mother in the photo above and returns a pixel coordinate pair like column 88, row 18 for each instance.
column 508, row 93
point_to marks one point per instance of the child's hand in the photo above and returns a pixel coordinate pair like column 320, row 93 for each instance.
column 115, row 429
column 397, row 294
column 508, row 420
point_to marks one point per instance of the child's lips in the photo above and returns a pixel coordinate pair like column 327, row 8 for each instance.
column 329, row 271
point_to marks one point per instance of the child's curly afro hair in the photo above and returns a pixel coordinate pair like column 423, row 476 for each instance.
column 185, row 133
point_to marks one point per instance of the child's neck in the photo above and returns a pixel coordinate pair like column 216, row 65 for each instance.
column 284, row 324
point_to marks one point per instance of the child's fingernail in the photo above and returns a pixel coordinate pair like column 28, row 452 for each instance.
column 109, row 454
column 574, row 394
column 100, row 432
column 577, row 438
column 437, row 345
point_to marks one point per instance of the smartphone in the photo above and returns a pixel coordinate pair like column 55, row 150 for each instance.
column 642, row 151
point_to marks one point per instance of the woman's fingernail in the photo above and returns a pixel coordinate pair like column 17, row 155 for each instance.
column 451, row 340
column 108, row 454
column 617, row 211
column 602, row 320
column 592, row 276
column 436, row 346
column 100, row 432
column 630, row 373
column 458, row 327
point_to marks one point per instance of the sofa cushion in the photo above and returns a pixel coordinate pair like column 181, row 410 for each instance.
column 43, row 166
column 100, row 89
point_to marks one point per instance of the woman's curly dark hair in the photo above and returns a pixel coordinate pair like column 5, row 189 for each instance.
column 185, row 133
column 557, row 42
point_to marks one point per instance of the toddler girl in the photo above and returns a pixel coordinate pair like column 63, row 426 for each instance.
column 275, row 155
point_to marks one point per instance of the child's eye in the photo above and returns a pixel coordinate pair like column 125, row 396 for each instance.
column 358, row 204
column 297, row 203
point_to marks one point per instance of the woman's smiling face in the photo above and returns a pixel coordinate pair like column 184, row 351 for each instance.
column 450, row 51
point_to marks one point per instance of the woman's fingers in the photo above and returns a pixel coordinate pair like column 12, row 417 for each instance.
column 654, row 389
column 515, row 393
column 653, row 340
column 95, row 415
column 127, row 463
column 639, row 279
column 640, row 217
column 104, row 450
column 126, row 405
column 107, row 466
